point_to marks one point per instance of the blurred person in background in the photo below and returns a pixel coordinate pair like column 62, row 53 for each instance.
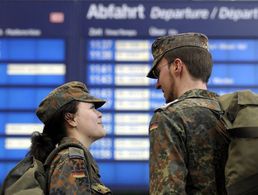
column 187, row 152
column 70, row 115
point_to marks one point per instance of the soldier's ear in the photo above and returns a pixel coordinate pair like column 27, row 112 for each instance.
column 70, row 119
column 177, row 66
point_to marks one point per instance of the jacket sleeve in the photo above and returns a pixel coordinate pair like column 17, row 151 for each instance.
column 69, row 176
column 167, row 155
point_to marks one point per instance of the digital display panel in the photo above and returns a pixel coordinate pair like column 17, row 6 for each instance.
column 111, row 52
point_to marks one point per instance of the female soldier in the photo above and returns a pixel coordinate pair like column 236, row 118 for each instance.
column 70, row 117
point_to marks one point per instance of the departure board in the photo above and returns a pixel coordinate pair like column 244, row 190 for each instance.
column 33, row 61
column 107, row 45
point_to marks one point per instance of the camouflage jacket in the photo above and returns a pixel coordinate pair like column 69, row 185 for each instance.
column 68, row 172
column 187, row 154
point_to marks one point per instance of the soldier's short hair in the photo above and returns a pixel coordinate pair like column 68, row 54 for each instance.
column 191, row 43
column 197, row 60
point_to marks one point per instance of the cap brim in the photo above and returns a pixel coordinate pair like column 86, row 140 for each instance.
column 96, row 101
column 150, row 73
column 154, row 64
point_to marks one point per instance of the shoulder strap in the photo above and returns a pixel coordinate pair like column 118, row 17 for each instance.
column 246, row 186
column 244, row 132
column 52, row 155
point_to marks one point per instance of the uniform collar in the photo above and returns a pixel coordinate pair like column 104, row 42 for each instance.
column 195, row 93
column 66, row 140
column 198, row 93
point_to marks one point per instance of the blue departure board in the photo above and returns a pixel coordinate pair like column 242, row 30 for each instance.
column 234, row 50
column 30, row 67
column 116, row 70
column 45, row 44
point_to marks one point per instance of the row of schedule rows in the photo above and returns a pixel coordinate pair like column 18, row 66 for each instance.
column 140, row 50
column 118, row 50
column 118, row 99
column 118, row 74
column 105, row 148
column 114, row 123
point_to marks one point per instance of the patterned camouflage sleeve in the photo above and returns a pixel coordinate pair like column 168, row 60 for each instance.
column 167, row 155
column 69, row 177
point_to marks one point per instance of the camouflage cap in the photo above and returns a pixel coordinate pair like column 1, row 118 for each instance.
column 167, row 43
column 62, row 95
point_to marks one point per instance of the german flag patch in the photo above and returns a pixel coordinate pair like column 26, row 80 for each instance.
column 153, row 126
column 78, row 174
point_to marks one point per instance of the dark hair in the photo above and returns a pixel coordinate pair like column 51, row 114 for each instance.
column 54, row 130
column 197, row 60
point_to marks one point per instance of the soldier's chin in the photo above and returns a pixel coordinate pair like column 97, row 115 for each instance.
column 169, row 99
column 166, row 99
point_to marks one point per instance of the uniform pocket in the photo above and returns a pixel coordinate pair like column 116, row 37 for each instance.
column 101, row 189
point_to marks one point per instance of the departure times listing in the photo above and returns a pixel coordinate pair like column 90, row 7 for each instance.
column 116, row 70
column 107, row 45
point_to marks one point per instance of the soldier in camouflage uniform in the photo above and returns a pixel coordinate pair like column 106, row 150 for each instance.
column 187, row 147
column 70, row 116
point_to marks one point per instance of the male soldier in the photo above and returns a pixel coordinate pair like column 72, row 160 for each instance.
column 187, row 154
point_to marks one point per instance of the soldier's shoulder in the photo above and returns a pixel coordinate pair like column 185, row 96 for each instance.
column 75, row 153
column 69, row 153
column 166, row 106
column 167, row 112
column 60, row 155
column 72, row 152
column 176, row 105
column 179, row 105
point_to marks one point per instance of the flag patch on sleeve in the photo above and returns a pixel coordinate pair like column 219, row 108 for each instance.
column 153, row 126
column 78, row 174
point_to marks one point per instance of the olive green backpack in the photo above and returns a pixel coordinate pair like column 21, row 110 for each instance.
column 241, row 121
column 29, row 176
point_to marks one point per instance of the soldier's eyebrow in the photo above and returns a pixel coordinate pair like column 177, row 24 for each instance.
column 92, row 106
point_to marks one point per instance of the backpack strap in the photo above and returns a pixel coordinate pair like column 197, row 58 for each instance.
column 222, row 122
column 244, row 132
column 76, row 150
column 246, row 186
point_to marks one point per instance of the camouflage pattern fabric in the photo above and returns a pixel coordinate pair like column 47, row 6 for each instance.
column 167, row 43
column 64, row 94
column 68, row 175
column 187, row 154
